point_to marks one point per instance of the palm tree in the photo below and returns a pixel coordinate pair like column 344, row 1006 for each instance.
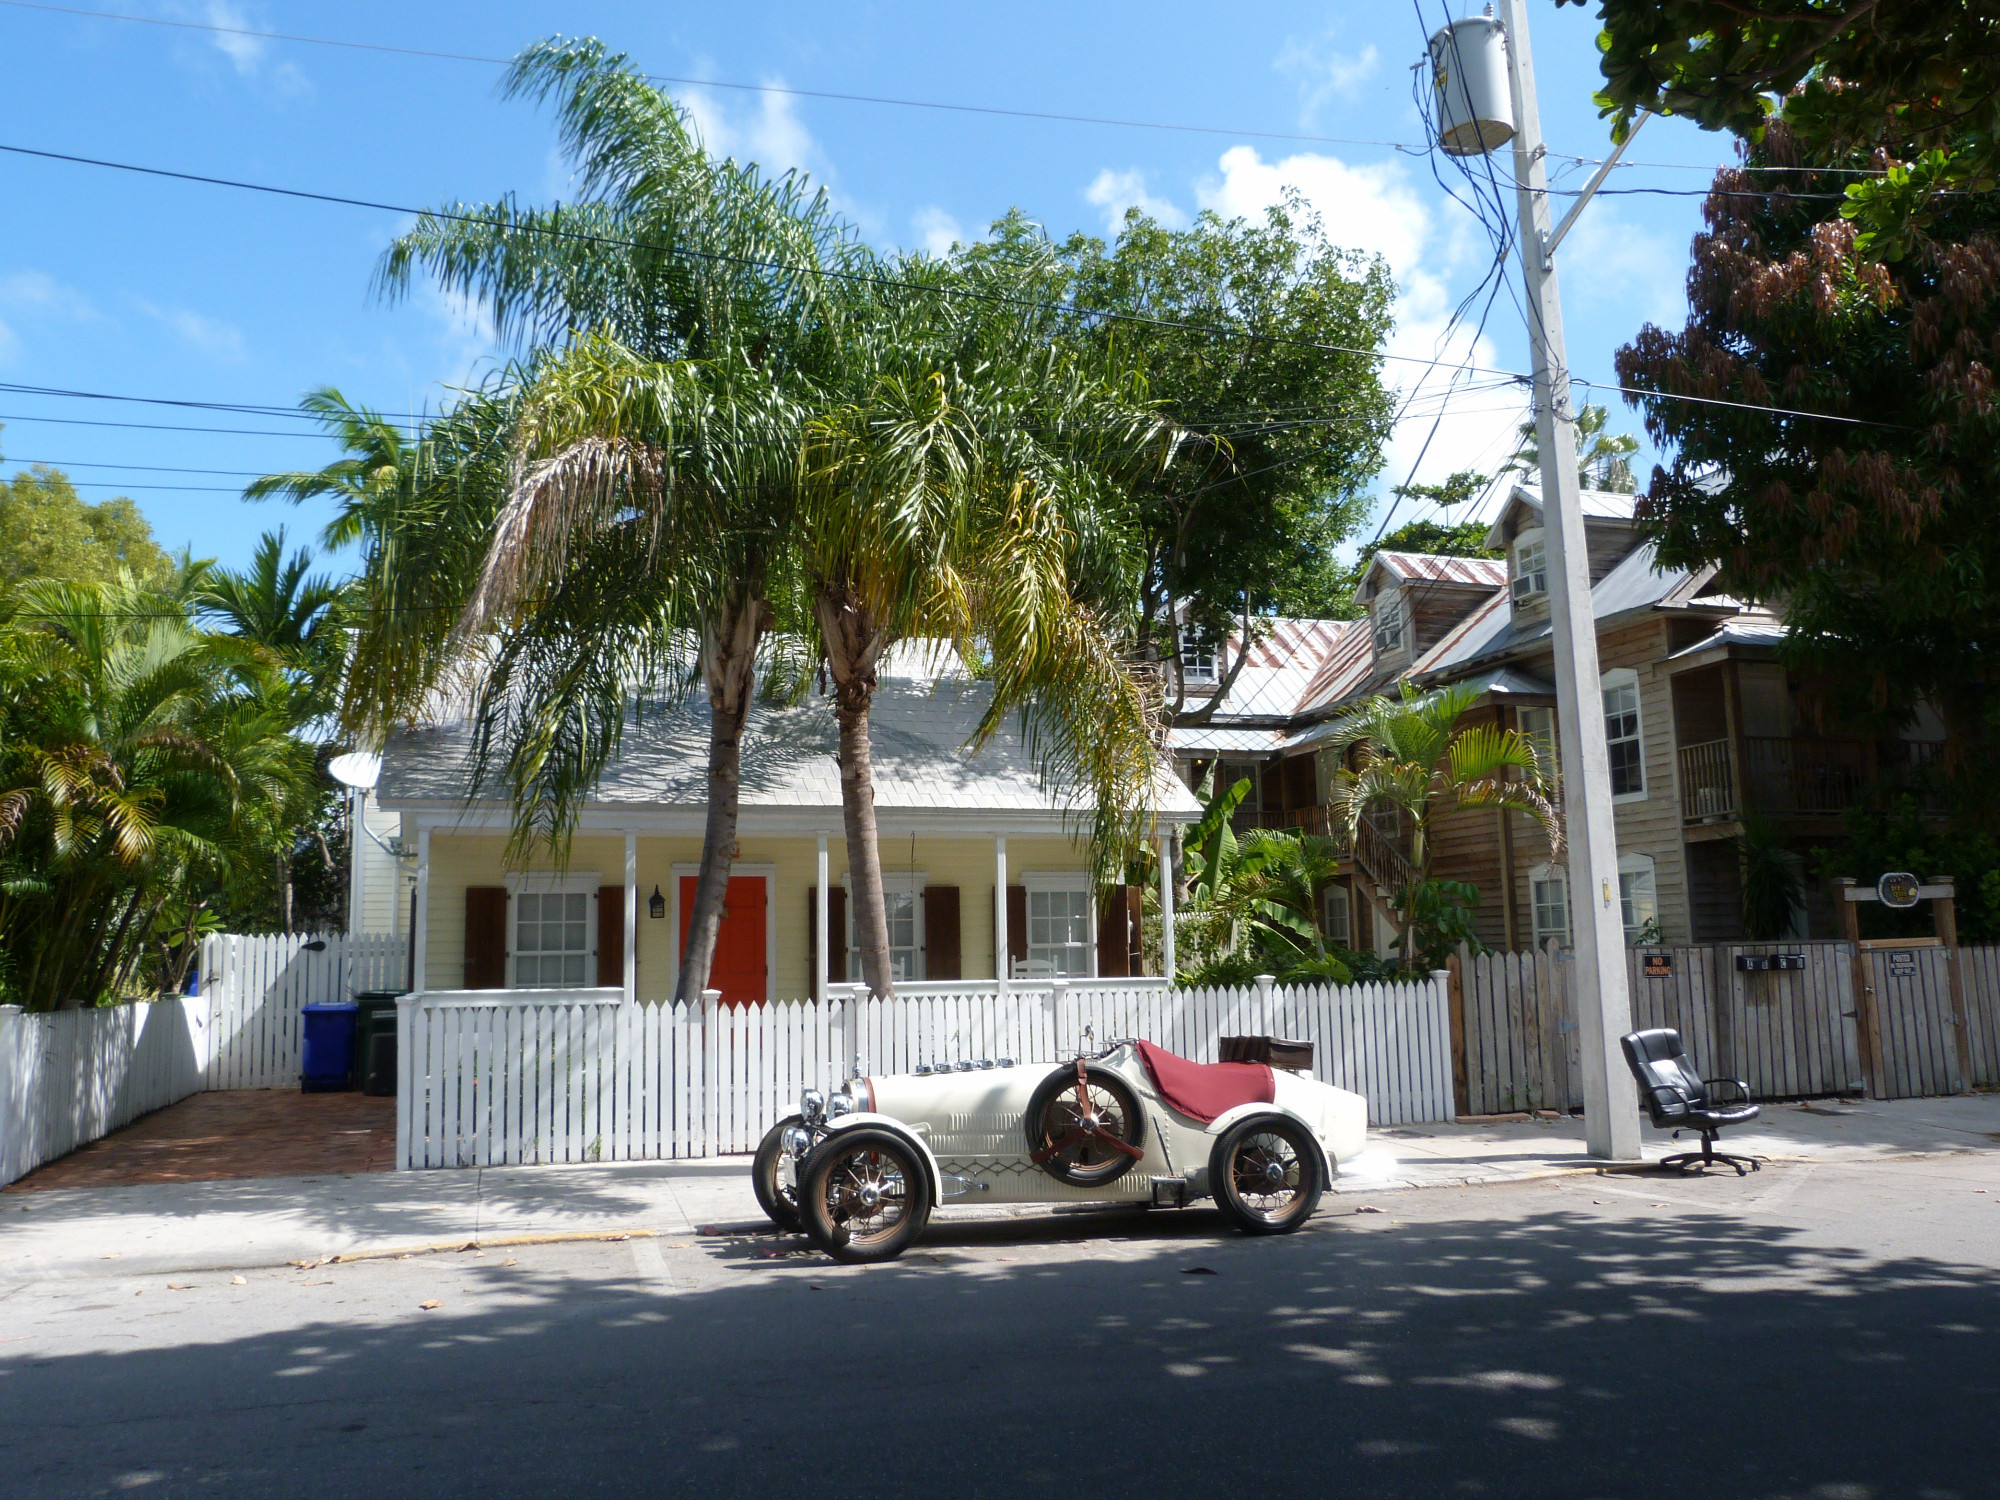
column 140, row 758
column 283, row 606
column 1603, row 459
column 657, row 448
column 1411, row 755
column 949, row 505
column 380, row 460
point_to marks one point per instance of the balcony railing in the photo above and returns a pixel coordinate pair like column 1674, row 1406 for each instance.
column 1779, row 775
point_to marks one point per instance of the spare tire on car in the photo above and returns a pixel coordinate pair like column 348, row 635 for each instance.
column 1085, row 1126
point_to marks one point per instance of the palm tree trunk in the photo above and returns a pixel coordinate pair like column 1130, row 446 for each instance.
column 729, row 664
column 852, row 646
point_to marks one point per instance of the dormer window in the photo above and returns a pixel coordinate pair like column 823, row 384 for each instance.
column 1388, row 623
column 1198, row 664
column 1529, row 566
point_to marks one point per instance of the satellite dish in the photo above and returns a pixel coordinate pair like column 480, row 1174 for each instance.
column 358, row 768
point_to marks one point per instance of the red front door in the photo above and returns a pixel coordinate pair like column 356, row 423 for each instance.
column 739, row 969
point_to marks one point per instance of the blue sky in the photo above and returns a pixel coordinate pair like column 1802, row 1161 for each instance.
column 136, row 286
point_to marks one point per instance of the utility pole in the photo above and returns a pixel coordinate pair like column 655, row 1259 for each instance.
column 1597, row 928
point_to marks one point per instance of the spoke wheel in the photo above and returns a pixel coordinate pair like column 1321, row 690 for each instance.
column 1267, row 1175
column 864, row 1195
column 1084, row 1126
column 778, row 1198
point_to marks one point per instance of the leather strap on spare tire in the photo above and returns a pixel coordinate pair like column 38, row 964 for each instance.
column 1084, row 1126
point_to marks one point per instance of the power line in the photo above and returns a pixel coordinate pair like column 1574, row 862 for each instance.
column 78, row 463
column 755, row 263
column 749, row 88
column 161, row 426
column 247, row 409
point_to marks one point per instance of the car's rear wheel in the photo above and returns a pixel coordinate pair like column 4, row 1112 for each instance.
column 1267, row 1175
column 779, row 1199
column 864, row 1195
column 1084, row 1126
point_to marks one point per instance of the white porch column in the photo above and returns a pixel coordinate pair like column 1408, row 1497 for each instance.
column 1000, row 910
column 823, row 909
column 631, row 917
column 420, row 929
column 357, row 835
column 1167, row 901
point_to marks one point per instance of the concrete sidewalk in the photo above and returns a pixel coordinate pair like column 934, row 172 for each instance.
column 267, row 1222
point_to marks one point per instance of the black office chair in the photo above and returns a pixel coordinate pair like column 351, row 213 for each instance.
column 1677, row 1100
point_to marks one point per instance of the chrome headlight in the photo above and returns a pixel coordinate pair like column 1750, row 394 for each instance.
column 812, row 1104
column 838, row 1105
column 797, row 1140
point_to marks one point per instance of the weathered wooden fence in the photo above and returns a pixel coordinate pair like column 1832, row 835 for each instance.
column 489, row 1077
column 69, row 1076
column 256, row 986
column 1789, row 1033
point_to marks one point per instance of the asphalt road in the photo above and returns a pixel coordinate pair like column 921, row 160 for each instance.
column 1829, row 1331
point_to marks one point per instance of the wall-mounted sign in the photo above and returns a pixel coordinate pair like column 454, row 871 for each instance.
column 1657, row 965
column 1902, row 964
column 1898, row 888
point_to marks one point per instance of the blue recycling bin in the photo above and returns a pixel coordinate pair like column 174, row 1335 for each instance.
column 329, row 1047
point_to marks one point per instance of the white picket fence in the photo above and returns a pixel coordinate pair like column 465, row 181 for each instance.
column 70, row 1076
column 256, row 986
column 511, row 1076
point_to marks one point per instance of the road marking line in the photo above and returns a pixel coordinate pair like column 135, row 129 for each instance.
column 646, row 1258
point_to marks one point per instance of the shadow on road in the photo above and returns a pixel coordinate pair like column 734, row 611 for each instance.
column 1542, row 1355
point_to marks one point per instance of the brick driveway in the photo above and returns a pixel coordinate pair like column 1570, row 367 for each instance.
column 233, row 1134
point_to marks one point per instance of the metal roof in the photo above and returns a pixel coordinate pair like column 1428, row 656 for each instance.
column 1426, row 567
column 918, row 728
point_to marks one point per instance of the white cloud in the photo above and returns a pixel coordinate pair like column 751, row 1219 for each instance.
column 465, row 332
column 10, row 346
column 1114, row 192
column 1613, row 269
column 249, row 55
column 1323, row 72
column 937, row 231
column 1376, row 209
column 38, row 292
column 768, row 132
column 205, row 335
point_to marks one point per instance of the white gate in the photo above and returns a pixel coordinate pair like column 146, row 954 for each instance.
column 256, row 986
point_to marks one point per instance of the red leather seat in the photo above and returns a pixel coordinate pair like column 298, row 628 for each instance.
column 1202, row 1091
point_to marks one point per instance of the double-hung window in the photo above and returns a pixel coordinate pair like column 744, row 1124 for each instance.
column 1622, row 736
column 1548, row 891
column 1530, row 566
column 1538, row 728
column 903, row 904
column 1339, row 916
column 552, row 932
column 1198, row 661
column 1638, row 897
column 1388, row 623
column 1062, row 940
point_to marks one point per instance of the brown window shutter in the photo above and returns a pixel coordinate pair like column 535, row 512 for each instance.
column 1017, row 924
column 1112, row 948
column 486, row 937
column 941, row 960
column 836, row 947
column 611, row 936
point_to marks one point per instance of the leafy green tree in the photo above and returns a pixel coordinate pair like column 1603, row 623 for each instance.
column 1917, row 80
column 1256, row 342
column 1875, row 529
column 48, row 531
column 286, row 608
column 1411, row 755
column 143, row 763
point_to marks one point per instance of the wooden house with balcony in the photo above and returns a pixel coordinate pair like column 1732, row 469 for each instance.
column 1702, row 720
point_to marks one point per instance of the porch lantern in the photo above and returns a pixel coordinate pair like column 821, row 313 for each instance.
column 656, row 905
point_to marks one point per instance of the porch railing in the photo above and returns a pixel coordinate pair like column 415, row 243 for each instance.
column 1779, row 775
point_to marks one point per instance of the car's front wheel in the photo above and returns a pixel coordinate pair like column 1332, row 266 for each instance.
column 779, row 1199
column 1267, row 1175
column 864, row 1195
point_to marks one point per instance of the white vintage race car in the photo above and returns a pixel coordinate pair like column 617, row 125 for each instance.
column 861, row 1171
